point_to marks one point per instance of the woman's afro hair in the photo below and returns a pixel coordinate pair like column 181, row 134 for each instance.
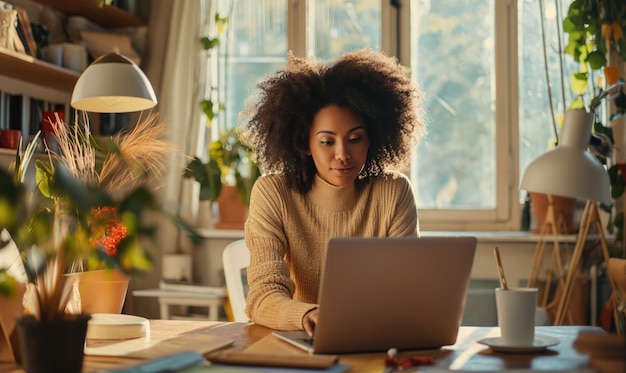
column 374, row 86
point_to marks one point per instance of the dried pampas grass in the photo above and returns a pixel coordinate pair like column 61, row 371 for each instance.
column 129, row 159
column 139, row 157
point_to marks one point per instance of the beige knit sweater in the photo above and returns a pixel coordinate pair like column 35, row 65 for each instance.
column 287, row 235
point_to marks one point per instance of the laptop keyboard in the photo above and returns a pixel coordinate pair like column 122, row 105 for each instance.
column 308, row 341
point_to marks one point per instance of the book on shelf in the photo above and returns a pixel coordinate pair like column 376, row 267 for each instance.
column 25, row 32
column 187, row 287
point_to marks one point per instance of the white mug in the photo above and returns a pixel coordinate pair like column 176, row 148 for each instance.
column 516, row 309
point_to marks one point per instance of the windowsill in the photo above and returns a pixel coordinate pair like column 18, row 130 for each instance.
column 484, row 237
column 220, row 233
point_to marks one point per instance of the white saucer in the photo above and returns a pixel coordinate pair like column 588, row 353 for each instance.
column 540, row 343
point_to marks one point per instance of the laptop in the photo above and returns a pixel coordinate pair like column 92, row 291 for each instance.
column 381, row 293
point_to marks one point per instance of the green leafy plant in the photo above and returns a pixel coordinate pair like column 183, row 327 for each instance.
column 596, row 30
column 56, row 226
column 211, row 107
column 231, row 163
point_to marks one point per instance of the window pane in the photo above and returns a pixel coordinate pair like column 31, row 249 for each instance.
column 256, row 45
column 453, row 63
column 535, row 126
column 339, row 26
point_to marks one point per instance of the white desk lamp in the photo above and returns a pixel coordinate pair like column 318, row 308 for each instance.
column 570, row 170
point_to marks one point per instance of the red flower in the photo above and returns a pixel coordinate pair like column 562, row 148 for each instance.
column 106, row 229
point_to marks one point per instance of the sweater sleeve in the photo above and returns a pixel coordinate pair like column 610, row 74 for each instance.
column 270, row 298
column 404, row 221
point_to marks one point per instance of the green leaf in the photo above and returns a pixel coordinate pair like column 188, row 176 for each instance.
column 568, row 26
column 212, row 189
column 579, row 83
column 221, row 23
column 577, row 103
column 208, row 175
column 44, row 176
column 195, row 169
column 8, row 284
column 596, row 60
column 209, row 43
column 207, row 109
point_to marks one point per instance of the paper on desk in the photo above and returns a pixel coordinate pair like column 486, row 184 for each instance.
column 152, row 348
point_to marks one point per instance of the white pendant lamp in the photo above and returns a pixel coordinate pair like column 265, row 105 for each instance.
column 113, row 84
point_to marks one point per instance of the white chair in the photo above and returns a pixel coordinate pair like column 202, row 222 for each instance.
column 235, row 258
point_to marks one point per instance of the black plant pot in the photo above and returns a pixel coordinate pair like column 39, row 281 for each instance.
column 52, row 346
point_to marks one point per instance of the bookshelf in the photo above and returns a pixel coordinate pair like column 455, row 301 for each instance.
column 27, row 69
column 24, row 75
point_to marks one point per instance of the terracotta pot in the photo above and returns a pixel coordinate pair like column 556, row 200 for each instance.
column 51, row 346
column 102, row 291
column 564, row 208
column 10, row 307
column 232, row 212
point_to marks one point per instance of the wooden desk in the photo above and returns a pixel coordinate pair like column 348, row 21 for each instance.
column 466, row 354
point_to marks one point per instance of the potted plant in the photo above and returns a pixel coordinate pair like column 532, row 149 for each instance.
column 58, row 227
column 227, row 177
column 230, row 172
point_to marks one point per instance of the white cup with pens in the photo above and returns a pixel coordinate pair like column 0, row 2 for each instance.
column 516, row 311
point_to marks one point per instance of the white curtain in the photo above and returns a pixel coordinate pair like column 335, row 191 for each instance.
column 175, row 66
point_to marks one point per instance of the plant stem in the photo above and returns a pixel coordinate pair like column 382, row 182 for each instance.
column 545, row 60
column 560, row 49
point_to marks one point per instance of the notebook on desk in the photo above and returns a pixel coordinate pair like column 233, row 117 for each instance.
column 381, row 293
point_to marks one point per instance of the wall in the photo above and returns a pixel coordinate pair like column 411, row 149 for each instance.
column 516, row 249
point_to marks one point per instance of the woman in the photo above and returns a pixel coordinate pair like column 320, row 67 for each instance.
column 328, row 139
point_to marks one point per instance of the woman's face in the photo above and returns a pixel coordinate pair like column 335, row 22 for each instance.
column 338, row 143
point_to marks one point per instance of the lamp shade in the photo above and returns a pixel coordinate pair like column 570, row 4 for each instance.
column 113, row 84
column 569, row 170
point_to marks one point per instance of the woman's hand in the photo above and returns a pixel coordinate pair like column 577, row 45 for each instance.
column 309, row 321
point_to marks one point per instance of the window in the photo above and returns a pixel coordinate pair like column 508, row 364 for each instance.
column 464, row 55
